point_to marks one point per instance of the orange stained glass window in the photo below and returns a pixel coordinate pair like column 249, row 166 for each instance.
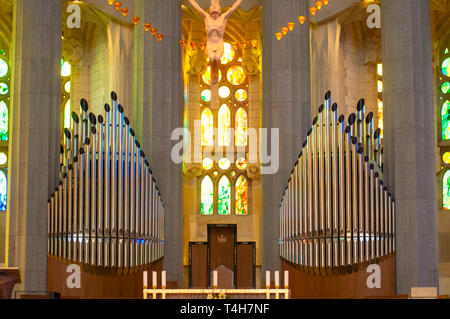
column 380, row 116
column 224, row 125
column 236, row 75
column 241, row 95
column 228, row 54
column 241, row 163
column 241, row 128
column 207, row 76
column 207, row 128
column 241, row 196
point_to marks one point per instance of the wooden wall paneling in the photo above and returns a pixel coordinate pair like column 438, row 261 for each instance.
column 198, row 265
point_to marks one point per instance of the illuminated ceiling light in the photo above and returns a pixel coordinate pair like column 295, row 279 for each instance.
column 153, row 31
column 319, row 4
column 147, row 26
column 284, row 30
column 291, row 25
column 279, row 35
column 118, row 5
column 325, row 2
column 111, row 2
column 254, row 43
column 302, row 19
column 313, row 11
column 125, row 11
column 160, row 36
column 136, row 20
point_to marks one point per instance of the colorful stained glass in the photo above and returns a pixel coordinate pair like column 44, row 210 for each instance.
column 207, row 196
column 224, row 196
column 207, row 163
column 224, row 125
column 3, row 191
column 3, row 68
column 445, row 87
column 236, row 75
column 3, row 121
column 241, row 196
column 206, row 95
column 224, row 164
column 446, row 191
column 4, row 89
column 241, row 128
column 207, row 128
column 67, row 87
column 66, row 69
column 241, row 95
column 241, row 164
column 446, row 157
column 446, row 67
column 380, row 116
column 3, row 158
column 224, row 92
column 228, row 54
column 67, row 114
column 445, row 117
column 207, row 76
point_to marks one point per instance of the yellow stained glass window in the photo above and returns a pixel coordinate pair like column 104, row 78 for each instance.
column 224, row 125
column 228, row 54
column 241, row 164
column 224, row 92
column 207, row 204
column 380, row 86
column 66, row 69
column 224, row 164
column 241, row 196
column 207, row 76
column 241, row 128
column 236, row 75
column 380, row 116
column 67, row 87
column 241, row 95
column 446, row 157
column 380, row 69
column 207, row 128
column 207, row 163
column 67, row 115
column 206, row 95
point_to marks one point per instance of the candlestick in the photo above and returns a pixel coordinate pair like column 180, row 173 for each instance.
column 215, row 279
column 145, row 279
column 277, row 279
column 155, row 280
column 286, row 279
column 267, row 279
column 163, row 280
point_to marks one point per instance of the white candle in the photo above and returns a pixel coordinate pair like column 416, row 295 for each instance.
column 267, row 279
column 286, row 279
column 145, row 279
column 155, row 279
column 163, row 279
column 277, row 279
column 215, row 279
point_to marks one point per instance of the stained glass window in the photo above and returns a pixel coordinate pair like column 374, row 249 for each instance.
column 3, row 68
column 380, row 69
column 445, row 116
column 66, row 69
column 241, row 95
column 446, row 157
column 206, row 95
column 241, row 127
column 4, row 89
column 3, row 121
column 236, row 75
column 67, row 87
column 224, row 196
column 446, row 67
column 207, row 76
column 3, row 158
column 208, row 163
column 380, row 86
column 380, row 116
column 241, row 196
column 207, row 200
column 224, row 92
column 3, row 191
column 224, row 125
column 207, row 128
column 241, row 164
column 224, row 164
column 67, row 114
column 228, row 54
column 446, row 190
column 445, row 87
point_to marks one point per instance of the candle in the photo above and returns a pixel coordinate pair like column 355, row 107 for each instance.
column 163, row 279
column 267, row 279
column 215, row 279
column 277, row 279
column 145, row 280
column 286, row 279
column 155, row 279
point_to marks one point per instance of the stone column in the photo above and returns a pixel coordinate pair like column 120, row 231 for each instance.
column 286, row 105
column 158, row 111
column 34, row 135
column 409, row 139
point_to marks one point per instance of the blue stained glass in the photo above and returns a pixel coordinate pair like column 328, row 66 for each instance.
column 3, row 191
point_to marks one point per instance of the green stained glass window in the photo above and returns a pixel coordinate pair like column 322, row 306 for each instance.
column 3, row 191
column 446, row 51
column 446, row 67
column 206, row 95
column 446, row 191
column 445, row 87
column 207, row 196
column 224, row 196
column 3, row 121
column 4, row 89
column 445, row 117
column 241, row 196
column 3, row 68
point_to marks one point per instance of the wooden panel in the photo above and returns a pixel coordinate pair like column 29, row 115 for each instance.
column 245, row 266
column 353, row 285
column 99, row 286
column 222, row 241
column 199, row 266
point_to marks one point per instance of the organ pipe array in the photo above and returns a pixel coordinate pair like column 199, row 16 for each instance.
column 336, row 212
column 107, row 210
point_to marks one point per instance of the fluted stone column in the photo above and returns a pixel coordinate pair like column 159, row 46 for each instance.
column 286, row 105
column 158, row 111
column 34, row 135
column 409, row 139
